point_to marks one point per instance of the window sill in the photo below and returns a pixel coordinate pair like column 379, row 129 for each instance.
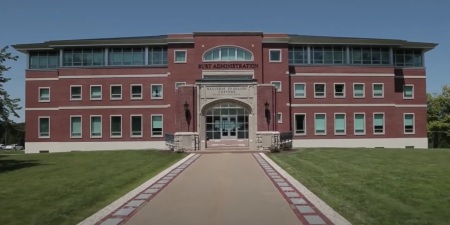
column 156, row 136
column 115, row 99
column 299, row 96
column 46, row 137
column 95, row 99
column 78, row 137
column 136, row 137
column 116, row 137
column 360, row 134
column 96, row 137
column 360, row 97
column 76, row 99
column 44, row 100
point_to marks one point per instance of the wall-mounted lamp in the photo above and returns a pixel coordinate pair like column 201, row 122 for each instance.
column 186, row 106
column 266, row 105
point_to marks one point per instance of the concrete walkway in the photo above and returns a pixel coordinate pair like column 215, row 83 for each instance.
column 218, row 189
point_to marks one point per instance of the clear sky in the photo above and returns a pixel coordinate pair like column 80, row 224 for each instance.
column 31, row 21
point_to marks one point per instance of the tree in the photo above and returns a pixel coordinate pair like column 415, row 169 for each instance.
column 8, row 105
column 438, row 116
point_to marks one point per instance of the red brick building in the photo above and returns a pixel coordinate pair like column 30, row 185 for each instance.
column 227, row 88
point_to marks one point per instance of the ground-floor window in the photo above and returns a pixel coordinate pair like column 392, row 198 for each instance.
column 157, row 125
column 339, row 124
column 75, row 126
column 136, row 126
column 44, row 127
column 408, row 122
column 300, row 124
column 378, row 123
column 359, row 123
column 96, row 126
column 227, row 121
column 320, row 124
column 116, row 126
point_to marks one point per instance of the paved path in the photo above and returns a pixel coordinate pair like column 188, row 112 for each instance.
column 219, row 189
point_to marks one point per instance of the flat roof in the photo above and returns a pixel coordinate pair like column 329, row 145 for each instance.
column 166, row 39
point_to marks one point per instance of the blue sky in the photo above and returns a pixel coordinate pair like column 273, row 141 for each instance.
column 30, row 21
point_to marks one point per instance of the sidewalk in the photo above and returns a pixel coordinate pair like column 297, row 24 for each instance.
column 218, row 189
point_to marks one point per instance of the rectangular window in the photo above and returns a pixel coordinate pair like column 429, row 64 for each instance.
column 319, row 91
column 300, row 124
column 277, row 85
column 279, row 117
column 320, row 124
column 75, row 126
column 44, row 127
column 358, row 90
column 370, row 56
column 378, row 123
column 298, row 55
column 96, row 92
column 116, row 92
column 84, row 57
column 126, row 56
column 136, row 126
column 328, row 55
column 96, row 126
column 44, row 60
column 157, row 56
column 116, row 126
column 339, row 90
column 180, row 56
column 136, row 91
column 339, row 124
column 299, row 90
column 275, row 55
column 178, row 84
column 157, row 91
column 360, row 124
column 44, row 94
column 378, row 90
column 408, row 58
column 408, row 122
column 157, row 125
column 75, row 92
column 408, row 91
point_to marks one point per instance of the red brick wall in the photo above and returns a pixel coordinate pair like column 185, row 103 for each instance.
column 186, row 120
column 267, row 94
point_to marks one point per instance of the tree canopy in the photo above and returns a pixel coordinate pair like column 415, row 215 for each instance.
column 438, row 110
column 8, row 106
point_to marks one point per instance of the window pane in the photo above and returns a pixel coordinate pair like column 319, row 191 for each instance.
column 75, row 92
column 157, row 125
column 157, row 91
column 409, row 120
column 116, row 126
column 44, row 94
column 275, row 55
column 136, row 125
column 358, row 90
column 299, row 90
column 75, row 127
column 44, row 127
column 96, row 92
column 339, row 123
column 320, row 123
column 407, row 91
column 378, row 120
column 96, row 126
column 299, row 124
column 180, row 56
column 359, row 123
column 378, row 90
column 34, row 60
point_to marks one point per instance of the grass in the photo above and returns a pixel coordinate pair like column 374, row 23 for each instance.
column 65, row 188
column 376, row 186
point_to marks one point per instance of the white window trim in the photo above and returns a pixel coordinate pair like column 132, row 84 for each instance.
column 81, row 126
column 274, row 82
column 324, row 90
column 364, row 90
column 131, row 92
column 131, row 126
column 151, row 91
column 220, row 53
column 175, row 56
column 373, row 90
column 110, row 126
column 101, row 126
column 315, row 131
column 280, row 120
column 39, row 126
column 384, row 123
column 345, row 123
column 151, row 125
column 275, row 50
column 304, row 89
column 414, row 123
column 110, row 92
column 39, row 94
column 179, row 84
column 412, row 91
column 81, row 93
column 295, row 124
column 90, row 92
column 334, row 90
column 365, row 123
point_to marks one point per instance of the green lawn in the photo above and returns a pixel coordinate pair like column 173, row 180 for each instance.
column 65, row 188
column 376, row 186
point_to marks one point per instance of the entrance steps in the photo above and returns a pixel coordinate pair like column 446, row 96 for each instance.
column 231, row 149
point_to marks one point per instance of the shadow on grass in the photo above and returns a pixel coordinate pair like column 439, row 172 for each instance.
column 7, row 165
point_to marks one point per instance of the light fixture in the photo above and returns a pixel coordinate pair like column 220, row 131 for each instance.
column 186, row 106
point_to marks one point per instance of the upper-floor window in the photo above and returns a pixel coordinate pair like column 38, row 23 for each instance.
column 408, row 91
column 157, row 56
column 408, row 58
column 180, row 56
column 228, row 54
column 44, row 60
column 126, row 56
column 275, row 55
column 328, row 55
column 298, row 55
column 84, row 57
column 370, row 56
column 44, row 94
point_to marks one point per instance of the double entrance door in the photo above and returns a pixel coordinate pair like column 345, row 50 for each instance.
column 228, row 127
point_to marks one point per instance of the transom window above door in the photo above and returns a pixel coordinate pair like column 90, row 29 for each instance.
column 227, row 53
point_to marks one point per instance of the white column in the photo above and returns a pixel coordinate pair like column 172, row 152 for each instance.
column 391, row 56
column 146, row 56
column 61, row 57
column 347, row 58
column 308, row 52
column 106, row 56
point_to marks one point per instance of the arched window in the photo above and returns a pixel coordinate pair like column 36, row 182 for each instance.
column 227, row 53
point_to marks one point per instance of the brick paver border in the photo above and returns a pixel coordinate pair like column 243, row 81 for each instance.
column 303, row 208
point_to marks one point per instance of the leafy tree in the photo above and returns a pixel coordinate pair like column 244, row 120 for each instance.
column 8, row 105
column 438, row 116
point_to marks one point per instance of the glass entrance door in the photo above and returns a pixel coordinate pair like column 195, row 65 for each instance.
column 228, row 126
